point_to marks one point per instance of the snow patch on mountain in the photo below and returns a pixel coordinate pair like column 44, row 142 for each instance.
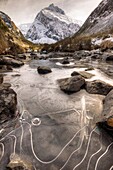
column 44, row 40
column 99, row 41
column 51, row 25
column 24, row 28
column 54, row 14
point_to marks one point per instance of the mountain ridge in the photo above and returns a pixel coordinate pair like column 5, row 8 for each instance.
column 12, row 40
column 100, row 20
column 95, row 33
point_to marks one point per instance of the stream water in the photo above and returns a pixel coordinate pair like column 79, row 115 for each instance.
column 56, row 131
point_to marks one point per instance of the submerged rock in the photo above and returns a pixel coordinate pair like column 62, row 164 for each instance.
column 33, row 55
column 65, row 61
column 98, row 87
column 44, row 70
column 84, row 74
column 8, row 102
column 89, row 68
column 17, row 163
column 22, row 56
column 1, row 78
column 16, row 75
column 71, row 85
column 108, row 70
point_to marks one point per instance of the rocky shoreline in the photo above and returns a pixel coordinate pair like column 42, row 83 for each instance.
column 8, row 102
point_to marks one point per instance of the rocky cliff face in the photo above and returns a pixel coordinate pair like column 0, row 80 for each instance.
column 51, row 25
column 10, row 24
column 100, row 20
column 11, row 39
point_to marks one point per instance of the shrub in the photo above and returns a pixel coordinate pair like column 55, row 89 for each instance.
column 106, row 45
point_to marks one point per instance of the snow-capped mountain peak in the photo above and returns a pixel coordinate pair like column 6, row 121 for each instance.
column 51, row 25
column 54, row 8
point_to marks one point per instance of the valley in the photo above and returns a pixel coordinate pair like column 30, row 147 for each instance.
column 56, row 90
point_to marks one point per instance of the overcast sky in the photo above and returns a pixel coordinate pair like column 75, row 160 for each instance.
column 24, row 11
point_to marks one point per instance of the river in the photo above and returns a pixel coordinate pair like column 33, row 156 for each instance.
column 55, row 131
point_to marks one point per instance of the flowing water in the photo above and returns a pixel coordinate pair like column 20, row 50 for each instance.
column 56, row 131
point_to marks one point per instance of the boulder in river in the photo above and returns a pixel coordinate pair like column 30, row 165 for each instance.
column 72, row 84
column 44, row 70
column 98, row 87
column 8, row 102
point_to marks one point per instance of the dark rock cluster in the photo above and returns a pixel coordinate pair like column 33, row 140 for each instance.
column 77, row 82
column 9, row 61
column 8, row 101
column 98, row 87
